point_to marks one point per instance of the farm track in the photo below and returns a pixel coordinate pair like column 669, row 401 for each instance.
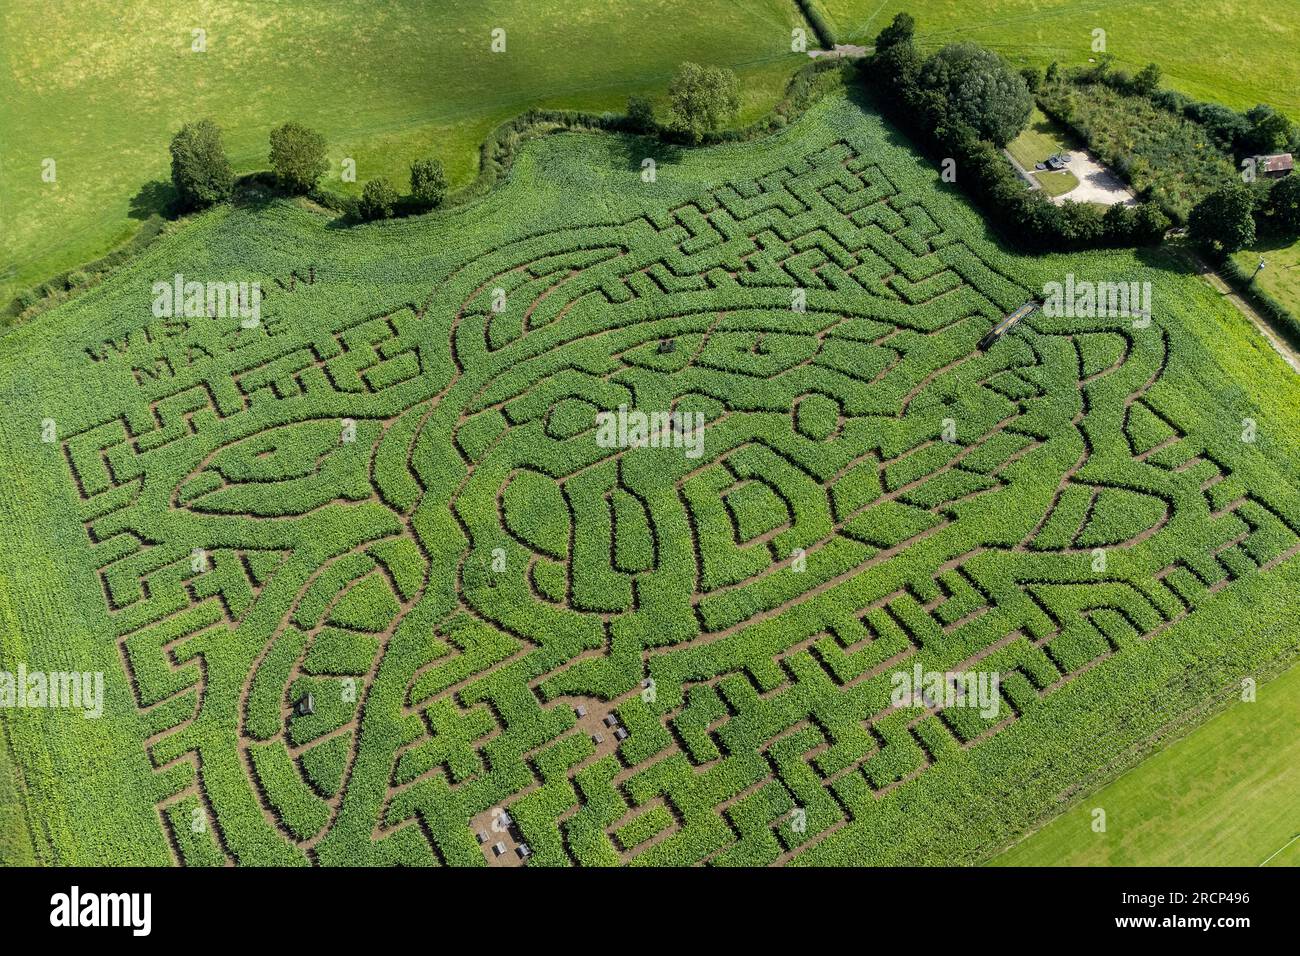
column 1274, row 335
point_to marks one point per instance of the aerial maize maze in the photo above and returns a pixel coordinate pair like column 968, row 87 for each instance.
column 381, row 595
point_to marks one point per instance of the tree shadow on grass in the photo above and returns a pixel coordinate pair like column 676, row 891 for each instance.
column 1176, row 256
column 256, row 191
column 155, row 198
column 629, row 150
column 1272, row 242
column 989, row 231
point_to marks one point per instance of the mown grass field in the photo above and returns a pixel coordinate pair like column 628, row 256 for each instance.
column 100, row 87
column 1227, row 794
column 1281, row 275
column 391, row 493
column 1227, row 51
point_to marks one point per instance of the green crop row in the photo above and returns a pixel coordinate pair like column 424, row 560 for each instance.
column 394, row 497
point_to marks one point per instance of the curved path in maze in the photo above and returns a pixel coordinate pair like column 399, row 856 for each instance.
column 636, row 652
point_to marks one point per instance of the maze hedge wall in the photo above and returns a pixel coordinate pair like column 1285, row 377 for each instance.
column 389, row 495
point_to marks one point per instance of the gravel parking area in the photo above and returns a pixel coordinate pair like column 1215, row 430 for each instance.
column 1096, row 183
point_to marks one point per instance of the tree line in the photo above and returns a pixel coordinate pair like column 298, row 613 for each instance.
column 965, row 103
column 701, row 100
column 202, row 174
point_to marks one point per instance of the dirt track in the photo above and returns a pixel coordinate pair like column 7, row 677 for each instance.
column 1265, row 327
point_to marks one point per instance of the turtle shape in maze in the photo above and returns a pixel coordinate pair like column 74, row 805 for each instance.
column 379, row 589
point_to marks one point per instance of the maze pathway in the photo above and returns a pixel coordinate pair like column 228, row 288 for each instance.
column 650, row 654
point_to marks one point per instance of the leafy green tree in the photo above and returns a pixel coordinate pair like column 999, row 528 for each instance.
column 901, row 30
column 1225, row 219
column 428, row 182
column 978, row 88
column 1284, row 205
column 200, row 169
column 1147, row 80
column 1230, row 128
column 1269, row 129
column 1081, row 223
column 641, row 113
column 297, row 157
column 897, row 67
column 377, row 199
column 704, row 98
column 1119, row 220
column 1151, row 223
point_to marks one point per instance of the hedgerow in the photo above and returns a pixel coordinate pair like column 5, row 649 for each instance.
column 817, row 19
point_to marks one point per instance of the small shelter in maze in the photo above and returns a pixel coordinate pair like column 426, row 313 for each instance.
column 305, row 705
column 667, row 346
column 1005, row 326
column 1275, row 165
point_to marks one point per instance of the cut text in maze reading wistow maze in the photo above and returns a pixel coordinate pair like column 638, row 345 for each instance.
column 634, row 653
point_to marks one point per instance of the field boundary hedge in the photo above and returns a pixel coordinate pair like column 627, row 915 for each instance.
column 816, row 18
column 63, row 285
column 496, row 159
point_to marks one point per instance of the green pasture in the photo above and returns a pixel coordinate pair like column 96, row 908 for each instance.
column 100, row 87
column 1227, row 794
column 1227, row 51
column 1281, row 275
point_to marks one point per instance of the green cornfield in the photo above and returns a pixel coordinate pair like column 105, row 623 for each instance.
column 368, row 583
